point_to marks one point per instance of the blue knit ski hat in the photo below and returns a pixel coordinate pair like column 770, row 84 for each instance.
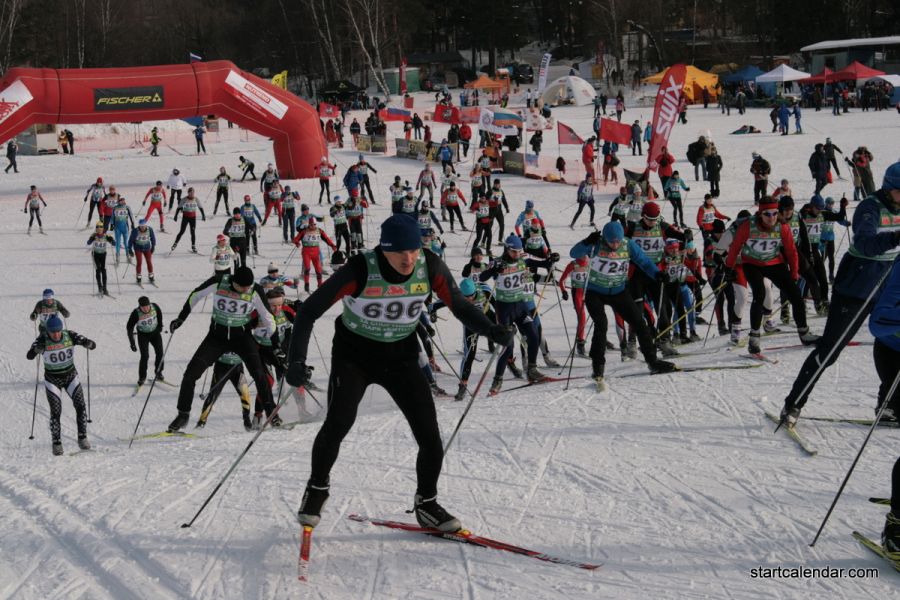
column 399, row 233
column 467, row 287
column 613, row 232
column 513, row 242
column 529, row 204
column 892, row 177
column 817, row 201
column 48, row 293
column 54, row 324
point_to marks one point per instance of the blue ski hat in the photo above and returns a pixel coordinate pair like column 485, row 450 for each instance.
column 818, row 201
column 613, row 232
column 513, row 242
column 54, row 324
column 48, row 293
column 892, row 178
column 399, row 233
column 467, row 287
column 142, row 222
column 529, row 204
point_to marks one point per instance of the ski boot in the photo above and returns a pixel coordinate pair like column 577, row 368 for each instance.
column 806, row 337
column 257, row 421
column 699, row 319
column 890, row 537
column 790, row 416
column 431, row 514
column 753, row 345
column 737, row 338
column 888, row 416
column 632, row 349
column 179, row 422
column 162, row 229
column 57, row 448
column 84, row 443
column 662, row 366
column 770, row 327
column 41, row 229
column 152, row 280
column 684, row 339
column 201, row 423
column 194, row 249
column 306, row 287
column 548, row 360
column 314, row 499
column 434, row 366
column 436, row 390
column 723, row 329
column 597, row 375
column 609, row 345
column 276, row 421
column 139, row 280
column 665, row 346
column 248, row 424
column 822, row 308
column 694, row 337
column 515, row 370
column 461, row 392
column 785, row 314
column 624, row 350
column 579, row 348
column 140, row 382
column 534, row 376
column 496, row 384
column 172, row 249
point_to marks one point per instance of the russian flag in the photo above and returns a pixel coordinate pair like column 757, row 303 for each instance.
column 395, row 114
column 194, row 57
column 505, row 119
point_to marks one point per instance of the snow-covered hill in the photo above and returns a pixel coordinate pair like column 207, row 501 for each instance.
column 674, row 482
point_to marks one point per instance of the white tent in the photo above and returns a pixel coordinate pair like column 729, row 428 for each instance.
column 781, row 74
column 894, row 80
column 569, row 90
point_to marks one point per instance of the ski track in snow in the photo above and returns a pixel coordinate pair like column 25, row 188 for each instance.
column 674, row 482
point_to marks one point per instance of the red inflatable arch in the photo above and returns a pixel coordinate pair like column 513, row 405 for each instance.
column 30, row 96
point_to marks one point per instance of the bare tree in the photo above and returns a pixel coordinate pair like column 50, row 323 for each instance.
column 369, row 12
column 319, row 12
column 80, row 33
column 10, row 11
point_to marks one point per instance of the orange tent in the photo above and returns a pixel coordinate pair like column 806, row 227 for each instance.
column 485, row 83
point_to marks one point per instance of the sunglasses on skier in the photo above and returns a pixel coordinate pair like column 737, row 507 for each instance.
column 769, row 213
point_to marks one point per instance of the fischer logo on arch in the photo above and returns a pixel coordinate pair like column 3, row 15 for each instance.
column 128, row 98
column 254, row 95
column 13, row 98
column 666, row 111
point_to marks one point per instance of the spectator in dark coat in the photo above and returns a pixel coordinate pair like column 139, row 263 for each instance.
column 636, row 139
column 713, row 170
column 818, row 167
column 12, row 149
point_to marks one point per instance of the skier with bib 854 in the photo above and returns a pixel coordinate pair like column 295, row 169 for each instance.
column 56, row 346
column 383, row 292
column 98, row 242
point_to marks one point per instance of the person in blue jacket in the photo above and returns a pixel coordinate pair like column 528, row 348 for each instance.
column 251, row 215
column 884, row 324
column 611, row 255
column 784, row 119
column 353, row 181
column 862, row 270
column 828, row 238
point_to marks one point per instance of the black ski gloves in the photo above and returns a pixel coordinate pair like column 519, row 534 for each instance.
column 502, row 335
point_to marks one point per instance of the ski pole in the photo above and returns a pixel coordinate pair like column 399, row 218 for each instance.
column 78, row 220
column 37, row 372
column 562, row 313
column 840, row 491
column 116, row 271
column 281, row 400
column 843, row 339
column 682, row 317
column 89, row 386
column 497, row 351
column 718, row 291
column 214, row 389
column 316, row 340
column 572, row 359
column 150, row 391
column 290, row 256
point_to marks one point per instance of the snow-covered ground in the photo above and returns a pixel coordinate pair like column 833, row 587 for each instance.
column 674, row 482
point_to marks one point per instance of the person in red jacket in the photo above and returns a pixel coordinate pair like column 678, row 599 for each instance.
column 451, row 198
column 157, row 196
column 465, row 134
column 309, row 238
column 707, row 215
column 666, row 164
column 763, row 245
column 587, row 156
column 578, row 269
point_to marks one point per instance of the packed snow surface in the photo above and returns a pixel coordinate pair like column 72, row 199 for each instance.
column 675, row 483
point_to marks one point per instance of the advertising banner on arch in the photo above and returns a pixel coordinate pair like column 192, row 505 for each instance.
column 666, row 111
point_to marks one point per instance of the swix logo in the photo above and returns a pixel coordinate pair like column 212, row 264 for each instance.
column 668, row 110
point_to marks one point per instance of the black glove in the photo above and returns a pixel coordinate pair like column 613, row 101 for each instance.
column 688, row 234
column 133, row 345
column 593, row 239
column 32, row 316
column 701, row 282
column 502, row 335
column 844, row 202
column 175, row 324
column 554, row 257
column 430, row 330
column 175, row 218
column 565, row 295
column 297, row 374
column 280, row 357
column 25, row 210
column 90, row 344
column 663, row 276
column 730, row 275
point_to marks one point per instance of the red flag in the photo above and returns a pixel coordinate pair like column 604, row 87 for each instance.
column 328, row 111
column 446, row 114
column 666, row 111
column 567, row 135
column 614, row 131
column 403, row 76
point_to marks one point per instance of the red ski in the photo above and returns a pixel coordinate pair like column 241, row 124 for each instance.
column 467, row 537
column 303, row 562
